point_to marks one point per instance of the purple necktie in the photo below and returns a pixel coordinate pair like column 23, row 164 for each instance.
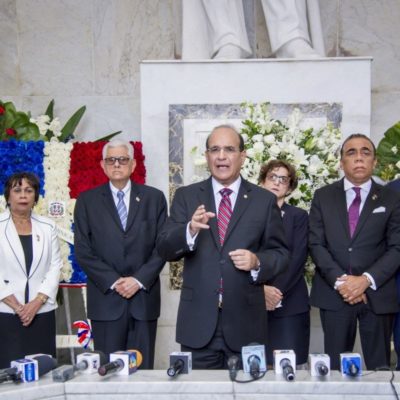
column 354, row 211
column 224, row 213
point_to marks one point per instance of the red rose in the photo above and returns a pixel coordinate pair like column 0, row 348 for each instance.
column 2, row 110
column 11, row 132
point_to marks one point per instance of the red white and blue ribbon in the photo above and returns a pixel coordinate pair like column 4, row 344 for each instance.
column 84, row 332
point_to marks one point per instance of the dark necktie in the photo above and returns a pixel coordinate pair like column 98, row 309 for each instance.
column 121, row 208
column 354, row 211
column 224, row 213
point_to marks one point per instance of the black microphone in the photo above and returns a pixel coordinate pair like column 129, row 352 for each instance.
column 180, row 363
column 111, row 367
column 287, row 369
column 233, row 366
column 321, row 368
column 176, row 368
column 46, row 363
column 10, row 375
column 254, row 365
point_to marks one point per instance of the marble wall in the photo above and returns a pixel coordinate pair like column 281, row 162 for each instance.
column 88, row 52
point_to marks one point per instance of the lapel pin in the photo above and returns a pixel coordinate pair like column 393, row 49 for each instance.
column 38, row 238
column 137, row 199
column 245, row 196
column 374, row 197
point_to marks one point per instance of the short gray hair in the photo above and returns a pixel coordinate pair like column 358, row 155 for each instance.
column 118, row 143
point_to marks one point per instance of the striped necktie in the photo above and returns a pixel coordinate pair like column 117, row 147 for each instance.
column 224, row 213
column 121, row 208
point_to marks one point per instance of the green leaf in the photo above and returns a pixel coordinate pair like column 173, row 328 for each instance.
column 69, row 128
column 386, row 168
column 108, row 137
column 50, row 110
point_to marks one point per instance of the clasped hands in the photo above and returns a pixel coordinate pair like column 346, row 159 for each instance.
column 126, row 286
column 352, row 289
column 27, row 312
column 243, row 259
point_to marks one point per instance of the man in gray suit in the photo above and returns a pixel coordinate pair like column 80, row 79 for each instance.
column 355, row 244
column 231, row 235
column 116, row 226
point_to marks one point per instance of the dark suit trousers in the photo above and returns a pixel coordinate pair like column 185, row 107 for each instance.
column 126, row 333
column 340, row 328
column 215, row 354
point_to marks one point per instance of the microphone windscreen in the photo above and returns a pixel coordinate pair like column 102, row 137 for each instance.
column 45, row 364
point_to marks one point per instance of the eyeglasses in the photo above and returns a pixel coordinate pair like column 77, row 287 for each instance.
column 113, row 160
column 227, row 149
column 284, row 180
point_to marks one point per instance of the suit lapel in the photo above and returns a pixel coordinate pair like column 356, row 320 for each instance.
column 14, row 242
column 134, row 203
column 370, row 204
column 206, row 197
column 340, row 204
column 242, row 202
column 109, row 204
column 37, row 246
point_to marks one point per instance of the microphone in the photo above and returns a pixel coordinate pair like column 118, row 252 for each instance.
column 350, row 364
column 285, row 363
column 233, row 366
column 46, row 362
column 253, row 359
column 10, row 375
column 180, row 363
column 122, row 363
column 287, row 369
column 319, row 364
column 63, row 373
column 89, row 362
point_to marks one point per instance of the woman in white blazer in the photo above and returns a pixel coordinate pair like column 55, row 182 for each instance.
column 30, row 266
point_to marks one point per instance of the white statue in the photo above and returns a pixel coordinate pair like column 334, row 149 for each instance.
column 216, row 29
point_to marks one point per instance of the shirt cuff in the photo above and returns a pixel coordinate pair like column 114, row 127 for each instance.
column 371, row 279
column 190, row 240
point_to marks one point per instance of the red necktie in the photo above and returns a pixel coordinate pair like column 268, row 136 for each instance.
column 224, row 213
column 354, row 211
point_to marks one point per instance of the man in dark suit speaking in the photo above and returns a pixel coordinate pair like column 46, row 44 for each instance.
column 355, row 244
column 116, row 226
column 231, row 235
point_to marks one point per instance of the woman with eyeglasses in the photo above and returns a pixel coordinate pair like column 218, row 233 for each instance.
column 29, row 273
column 286, row 297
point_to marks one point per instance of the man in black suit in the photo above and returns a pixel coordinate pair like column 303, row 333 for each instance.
column 228, row 254
column 355, row 244
column 395, row 185
column 116, row 226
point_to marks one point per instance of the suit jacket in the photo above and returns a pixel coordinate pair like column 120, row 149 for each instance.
column 292, row 283
column 255, row 225
column 44, row 274
column 374, row 247
column 394, row 185
column 106, row 252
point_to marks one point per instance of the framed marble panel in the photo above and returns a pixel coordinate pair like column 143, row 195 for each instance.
column 190, row 124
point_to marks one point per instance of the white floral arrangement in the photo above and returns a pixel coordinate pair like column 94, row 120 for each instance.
column 313, row 152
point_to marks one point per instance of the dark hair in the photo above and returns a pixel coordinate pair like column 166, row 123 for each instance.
column 16, row 179
column 231, row 127
column 273, row 164
column 357, row 136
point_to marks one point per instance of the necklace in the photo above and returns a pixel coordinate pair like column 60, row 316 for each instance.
column 21, row 220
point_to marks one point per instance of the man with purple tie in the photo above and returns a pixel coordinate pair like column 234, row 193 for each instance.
column 355, row 244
